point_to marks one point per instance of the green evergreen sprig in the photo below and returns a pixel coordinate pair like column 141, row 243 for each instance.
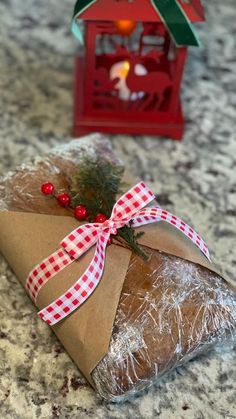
column 96, row 186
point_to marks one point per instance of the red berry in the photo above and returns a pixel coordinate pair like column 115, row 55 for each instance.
column 47, row 188
column 63, row 199
column 100, row 218
column 109, row 241
column 81, row 212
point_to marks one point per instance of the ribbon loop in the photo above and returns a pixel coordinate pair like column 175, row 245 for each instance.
column 131, row 202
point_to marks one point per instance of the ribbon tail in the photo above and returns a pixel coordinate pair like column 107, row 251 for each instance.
column 80, row 7
column 81, row 290
column 176, row 21
column 46, row 270
column 155, row 214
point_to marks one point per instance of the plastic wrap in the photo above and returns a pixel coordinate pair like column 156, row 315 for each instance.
column 20, row 189
column 169, row 310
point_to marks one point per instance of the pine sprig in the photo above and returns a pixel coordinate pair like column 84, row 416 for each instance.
column 131, row 238
column 96, row 186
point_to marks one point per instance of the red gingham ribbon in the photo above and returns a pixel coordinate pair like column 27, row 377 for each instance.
column 129, row 209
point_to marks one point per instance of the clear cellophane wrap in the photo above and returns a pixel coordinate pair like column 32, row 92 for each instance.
column 170, row 309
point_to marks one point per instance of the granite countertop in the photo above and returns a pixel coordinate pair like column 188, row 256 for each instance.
column 196, row 179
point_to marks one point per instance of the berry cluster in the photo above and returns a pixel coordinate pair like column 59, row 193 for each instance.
column 64, row 200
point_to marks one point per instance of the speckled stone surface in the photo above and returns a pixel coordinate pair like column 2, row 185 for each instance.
column 196, row 179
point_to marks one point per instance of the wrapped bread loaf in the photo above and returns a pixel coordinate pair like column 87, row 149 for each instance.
column 154, row 316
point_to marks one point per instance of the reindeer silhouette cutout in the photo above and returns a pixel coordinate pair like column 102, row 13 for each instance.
column 154, row 84
column 104, row 89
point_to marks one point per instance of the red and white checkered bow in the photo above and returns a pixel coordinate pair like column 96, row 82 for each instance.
column 128, row 209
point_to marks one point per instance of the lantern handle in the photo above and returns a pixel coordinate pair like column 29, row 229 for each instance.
column 170, row 12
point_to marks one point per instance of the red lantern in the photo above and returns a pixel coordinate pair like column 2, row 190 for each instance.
column 129, row 75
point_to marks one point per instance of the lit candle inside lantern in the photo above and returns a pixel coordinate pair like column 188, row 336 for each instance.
column 120, row 70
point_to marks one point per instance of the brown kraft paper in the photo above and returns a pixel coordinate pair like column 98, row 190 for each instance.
column 27, row 238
